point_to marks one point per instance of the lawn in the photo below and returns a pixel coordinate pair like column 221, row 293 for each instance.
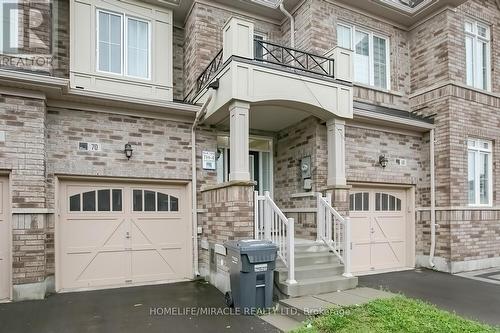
column 397, row 314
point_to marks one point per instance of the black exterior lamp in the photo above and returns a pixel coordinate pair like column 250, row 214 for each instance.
column 128, row 150
column 382, row 160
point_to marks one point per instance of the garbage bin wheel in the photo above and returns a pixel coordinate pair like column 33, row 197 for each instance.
column 229, row 299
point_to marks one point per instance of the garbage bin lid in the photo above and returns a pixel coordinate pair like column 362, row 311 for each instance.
column 251, row 245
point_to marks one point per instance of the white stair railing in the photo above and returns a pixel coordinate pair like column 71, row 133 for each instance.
column 335, row 231
column 271, row 224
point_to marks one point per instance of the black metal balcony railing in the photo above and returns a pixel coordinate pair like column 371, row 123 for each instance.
column 271, row 53
column 292, row 58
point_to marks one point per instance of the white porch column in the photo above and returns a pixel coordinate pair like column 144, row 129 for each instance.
column 238, row 138
column 336, row 152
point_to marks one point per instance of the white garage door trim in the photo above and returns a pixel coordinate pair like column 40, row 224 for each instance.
column 5, row 242
column 373, row 248
column 126, row 239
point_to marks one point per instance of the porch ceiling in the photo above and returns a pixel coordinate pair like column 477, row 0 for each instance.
column 267, row 118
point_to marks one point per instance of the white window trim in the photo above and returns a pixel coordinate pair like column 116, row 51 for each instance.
column 478, row 149
column 124, row 51
column 371, row 34
column 475, row 64
column 14, row 25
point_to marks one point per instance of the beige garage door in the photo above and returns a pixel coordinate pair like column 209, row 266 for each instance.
column 379, row 229
column 4, row 240
column 117, row 234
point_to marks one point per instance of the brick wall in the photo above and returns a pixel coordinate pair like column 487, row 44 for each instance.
column 203, row 38
column 28, row 248
column 178, row 63
column 229, row 213
column 23, row 121
column 162, row 148
column 365, row 145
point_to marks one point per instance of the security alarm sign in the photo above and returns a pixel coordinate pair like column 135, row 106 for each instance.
column 208, row 160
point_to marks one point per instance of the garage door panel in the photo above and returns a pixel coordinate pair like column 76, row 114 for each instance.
column 362, row 254
column 88, row 233
column 158, row 264
column 360, row 226
column 5, row 248
column 4, row 275
column 96, row 270
column 391, row 227
column 388, row 255
column 148, row 230
column 130, row 233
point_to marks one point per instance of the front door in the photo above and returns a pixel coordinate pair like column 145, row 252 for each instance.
column 379, row 240
column 259, row 162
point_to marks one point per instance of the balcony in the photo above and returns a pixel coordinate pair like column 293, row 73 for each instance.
column 282, row 85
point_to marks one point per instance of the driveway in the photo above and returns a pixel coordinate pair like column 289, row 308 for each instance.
column 469, row 298
column 136, row 309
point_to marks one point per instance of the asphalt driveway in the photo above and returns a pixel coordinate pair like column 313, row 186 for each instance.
column 179, row 307
column 469, row 298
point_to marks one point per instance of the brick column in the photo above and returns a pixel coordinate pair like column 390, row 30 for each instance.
column 229, row 214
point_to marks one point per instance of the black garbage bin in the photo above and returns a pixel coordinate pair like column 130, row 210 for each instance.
column 251, row 263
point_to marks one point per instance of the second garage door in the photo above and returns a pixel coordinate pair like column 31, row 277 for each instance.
column 379, row 229
column 118, row 234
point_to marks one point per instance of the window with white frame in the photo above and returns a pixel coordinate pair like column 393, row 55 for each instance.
column 477, row 54
column 123, row 45
column 258, row 48
column 371, row 55
column 480, row 189
column 9, row 27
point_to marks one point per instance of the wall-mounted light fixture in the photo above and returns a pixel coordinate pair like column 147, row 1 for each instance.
column 128, row 150
column 382, row 160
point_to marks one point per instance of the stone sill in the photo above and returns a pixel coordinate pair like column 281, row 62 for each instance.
column 230, row 183
column 32, row 211
column 464, row 208
column 377, row 89
column 339, row 187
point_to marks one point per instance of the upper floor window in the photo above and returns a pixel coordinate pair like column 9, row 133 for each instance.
column 9, row 28
column 477, row 54
column 480, row 172
column 123, row 45
column 371, row 55
column 258, row 48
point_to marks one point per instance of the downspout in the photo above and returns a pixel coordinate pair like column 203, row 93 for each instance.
column 433, row 201
column 199, row 116
column 292, row 24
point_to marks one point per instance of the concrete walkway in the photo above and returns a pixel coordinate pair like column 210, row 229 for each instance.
column 467, row 297
column 292, row 312
column 135, row 309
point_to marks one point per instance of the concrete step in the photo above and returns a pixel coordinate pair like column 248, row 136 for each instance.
column 314, row 258
column 302, row 309
column 310, row 271
column 282, row 322
column 311, row 247
column 319, row 285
